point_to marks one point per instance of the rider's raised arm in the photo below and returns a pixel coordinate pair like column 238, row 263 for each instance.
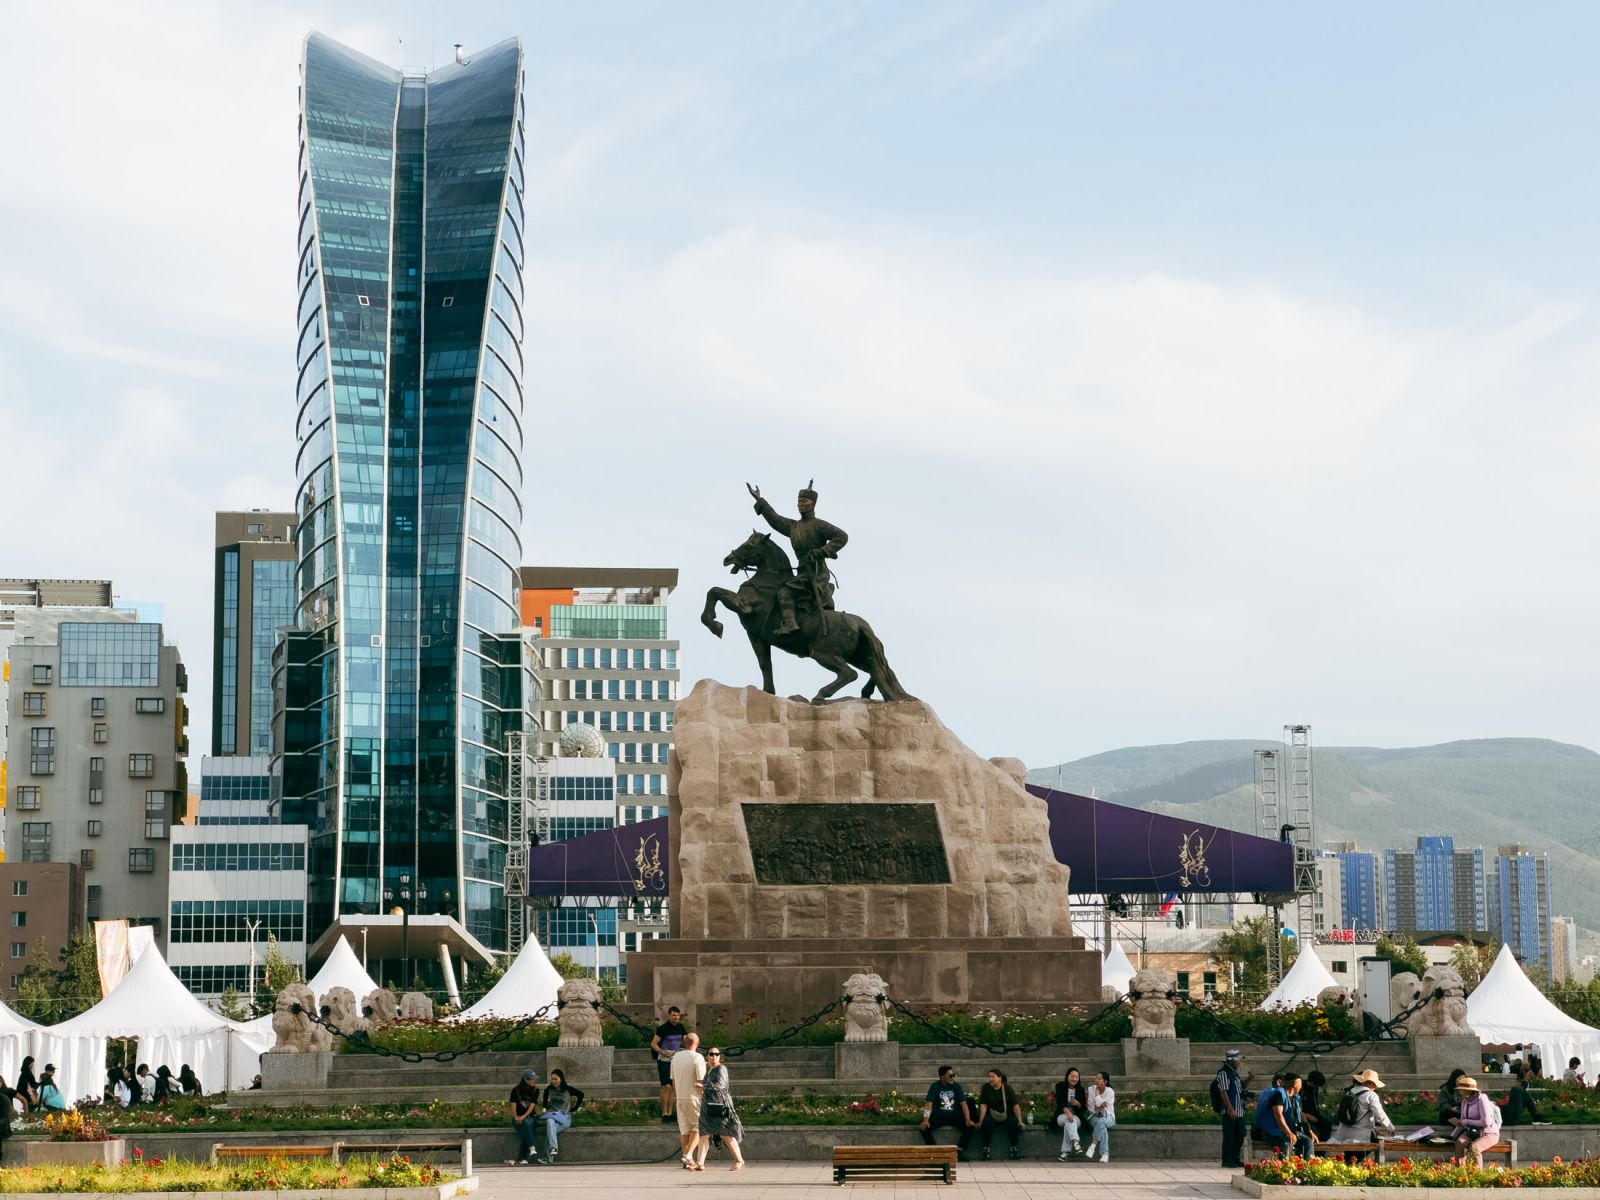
column 781, row 523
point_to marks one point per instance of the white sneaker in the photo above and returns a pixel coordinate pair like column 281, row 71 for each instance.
column 1063, row 1156
column 1106, row 1157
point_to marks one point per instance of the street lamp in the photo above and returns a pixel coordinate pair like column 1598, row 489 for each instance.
column 252, row 926
column 404, row 892
column 593, row 924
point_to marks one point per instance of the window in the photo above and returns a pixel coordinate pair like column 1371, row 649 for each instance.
column 155, row 827
column 94, row 828
column 16, row 982
column 1341, row 968
column 1209, row 982
column 86, row 859
column 28, row 799
column 118, row 655
column 155, row 804
column 19, row 949
column 42, row 673
column 1182, row 986
column 256, row 528
column 42, row 738
column 97, row 795
column 141, row 766
column 19, row 920
column 35, row 841
column 41, row 764
column 19, row 887
column 102, row 734
column 141, row 861
column 97, row 706
column 150, row 704
column 33, row 704
column 91, row 896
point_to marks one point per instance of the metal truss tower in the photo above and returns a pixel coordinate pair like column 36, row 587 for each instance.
column 527, row 821
column 1300, row 825
column 1269, row 824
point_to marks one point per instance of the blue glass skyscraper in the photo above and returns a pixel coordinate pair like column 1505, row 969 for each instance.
column 405, row 673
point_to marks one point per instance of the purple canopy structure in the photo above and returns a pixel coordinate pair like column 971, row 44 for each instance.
column 1112, row 848
column 629, row 860
column 1109, row 847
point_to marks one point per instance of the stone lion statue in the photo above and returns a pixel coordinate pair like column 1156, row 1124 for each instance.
column 380, row 1007
column 414, row 1006
column 293, row 1029
column 1405, row 989
column 866, row 1018
column 340, row 1006
column 1444, row 1016
column 1153, row 1006
column 1339, row 996
column 579, row 1014
column 1109, row 994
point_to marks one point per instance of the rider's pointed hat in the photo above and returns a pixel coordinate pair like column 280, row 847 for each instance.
column 810, row 490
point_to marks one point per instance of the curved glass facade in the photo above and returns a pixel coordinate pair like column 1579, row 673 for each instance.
column 406, row 672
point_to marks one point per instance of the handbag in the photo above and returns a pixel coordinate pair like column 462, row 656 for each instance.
column 715, row 1112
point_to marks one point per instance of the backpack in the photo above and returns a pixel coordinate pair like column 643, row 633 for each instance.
column 1349, row 1107
column 1216, row 1096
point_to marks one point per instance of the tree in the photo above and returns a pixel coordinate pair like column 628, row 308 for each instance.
column 481, row 980
column 1244, row 948
column 1472, row 963
column 78, row 977
column 35, row 995
column 1406, row 956
column 231, row 1006
column 611, row 991
column 278, row 971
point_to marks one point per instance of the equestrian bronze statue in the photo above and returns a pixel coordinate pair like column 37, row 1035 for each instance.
column 793, row 611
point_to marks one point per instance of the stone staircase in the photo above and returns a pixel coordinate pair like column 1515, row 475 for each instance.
column 782, row 1070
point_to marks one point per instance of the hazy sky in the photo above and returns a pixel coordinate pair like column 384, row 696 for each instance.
column 1178, row 370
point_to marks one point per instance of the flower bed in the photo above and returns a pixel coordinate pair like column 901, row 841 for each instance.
column 1335, row 1173
column 269, row 1175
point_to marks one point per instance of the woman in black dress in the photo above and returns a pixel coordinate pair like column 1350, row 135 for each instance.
column 717, row 1116
column 27, row 1085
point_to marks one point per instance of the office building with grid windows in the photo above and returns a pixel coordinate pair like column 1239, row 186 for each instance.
column 599, row 635
column 254, row 600
column 238, row 875
column 396, row 690
column 1520, row 907
column 96, row 752
column 582, row 796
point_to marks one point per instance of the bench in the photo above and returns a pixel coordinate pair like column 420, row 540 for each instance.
column 894, row 1162
column 1349, row 1151
column 339, row 1150
column 1393, row 1151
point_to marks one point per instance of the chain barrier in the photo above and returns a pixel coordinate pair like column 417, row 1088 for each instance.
column 1324, row 1046
column 1064, row 1038
column 737, row 1050
column 363, row 1044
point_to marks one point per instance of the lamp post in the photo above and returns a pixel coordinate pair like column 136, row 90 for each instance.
column 594, row 925
column 403, row 892
column 252, row 926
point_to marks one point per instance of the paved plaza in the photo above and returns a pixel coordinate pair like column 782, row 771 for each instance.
column 813, row 1181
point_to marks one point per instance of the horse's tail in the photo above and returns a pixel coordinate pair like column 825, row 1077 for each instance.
column 879, row 670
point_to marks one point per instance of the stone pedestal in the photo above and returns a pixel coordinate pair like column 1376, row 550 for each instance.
column 1154, row 1058
column 582, row 1065
column 810, row 842
column 284, row 1072
column 1438, row 1056
column 866, row 1060
column 44, row 1153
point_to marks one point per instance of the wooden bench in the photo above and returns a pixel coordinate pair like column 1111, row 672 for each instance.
column 221, row 1152
column 1394, row 1150
column 1356, row 1151
column 894, row 1162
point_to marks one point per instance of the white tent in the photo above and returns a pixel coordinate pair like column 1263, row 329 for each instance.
column 16, row 1043
column 343, row 969
column 1302, row 983
column 173, row 1028
column 530, row 983
column 1116, row 969
column 1505, row 1009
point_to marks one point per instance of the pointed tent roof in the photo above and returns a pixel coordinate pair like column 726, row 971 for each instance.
column 343, row 969
column 1302, row 984
column 11, row 1021
column 1116, row 969
column 1505, row 1008
column 530, row 983
column 148, row 1001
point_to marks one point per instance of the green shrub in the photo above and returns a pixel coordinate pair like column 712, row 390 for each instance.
column 146, row 1174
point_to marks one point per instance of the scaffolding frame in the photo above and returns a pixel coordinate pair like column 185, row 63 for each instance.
column 526, row 814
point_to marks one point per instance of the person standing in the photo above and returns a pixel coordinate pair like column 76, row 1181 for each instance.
column 1478, row 1126
column 560, row 1101
column 999, row 1107
column 524, row 1102
column 717, row 1116
column 1072, row 1102
column 667, row 1041
column 688, row 1073
column 946, row 1105
column 1228, row 1090
column 1102, row 1116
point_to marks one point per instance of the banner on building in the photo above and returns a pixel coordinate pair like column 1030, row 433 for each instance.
column 111, row 953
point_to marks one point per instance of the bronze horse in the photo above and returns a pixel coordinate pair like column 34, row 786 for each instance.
column 839, row 641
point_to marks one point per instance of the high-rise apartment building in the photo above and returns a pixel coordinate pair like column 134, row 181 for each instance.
column 96, row 744
column 405, row 671
column 1521, row 915
column 1360, row 895
column 1434, row 888
column 1327, row 902
column 43, row 903
column 254, row 600
column 1563, row 948
column 599, row 635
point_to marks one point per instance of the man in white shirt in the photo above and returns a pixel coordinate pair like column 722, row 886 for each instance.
column 688, row 1070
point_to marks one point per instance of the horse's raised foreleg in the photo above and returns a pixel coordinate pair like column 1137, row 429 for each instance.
column 708, row 616
column 843, row 673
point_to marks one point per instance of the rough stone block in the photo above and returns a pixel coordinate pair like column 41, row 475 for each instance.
column 1439, row 1056
column 866, row 1060
column 581, row 1064
column 1155, row 1058
column 281, row 1072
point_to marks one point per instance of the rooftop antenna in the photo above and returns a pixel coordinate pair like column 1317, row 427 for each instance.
column 461, row 53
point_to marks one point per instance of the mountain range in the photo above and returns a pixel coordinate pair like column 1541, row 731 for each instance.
column 1489, row 793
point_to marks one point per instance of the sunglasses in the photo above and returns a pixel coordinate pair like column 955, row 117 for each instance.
column 713, row 1053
